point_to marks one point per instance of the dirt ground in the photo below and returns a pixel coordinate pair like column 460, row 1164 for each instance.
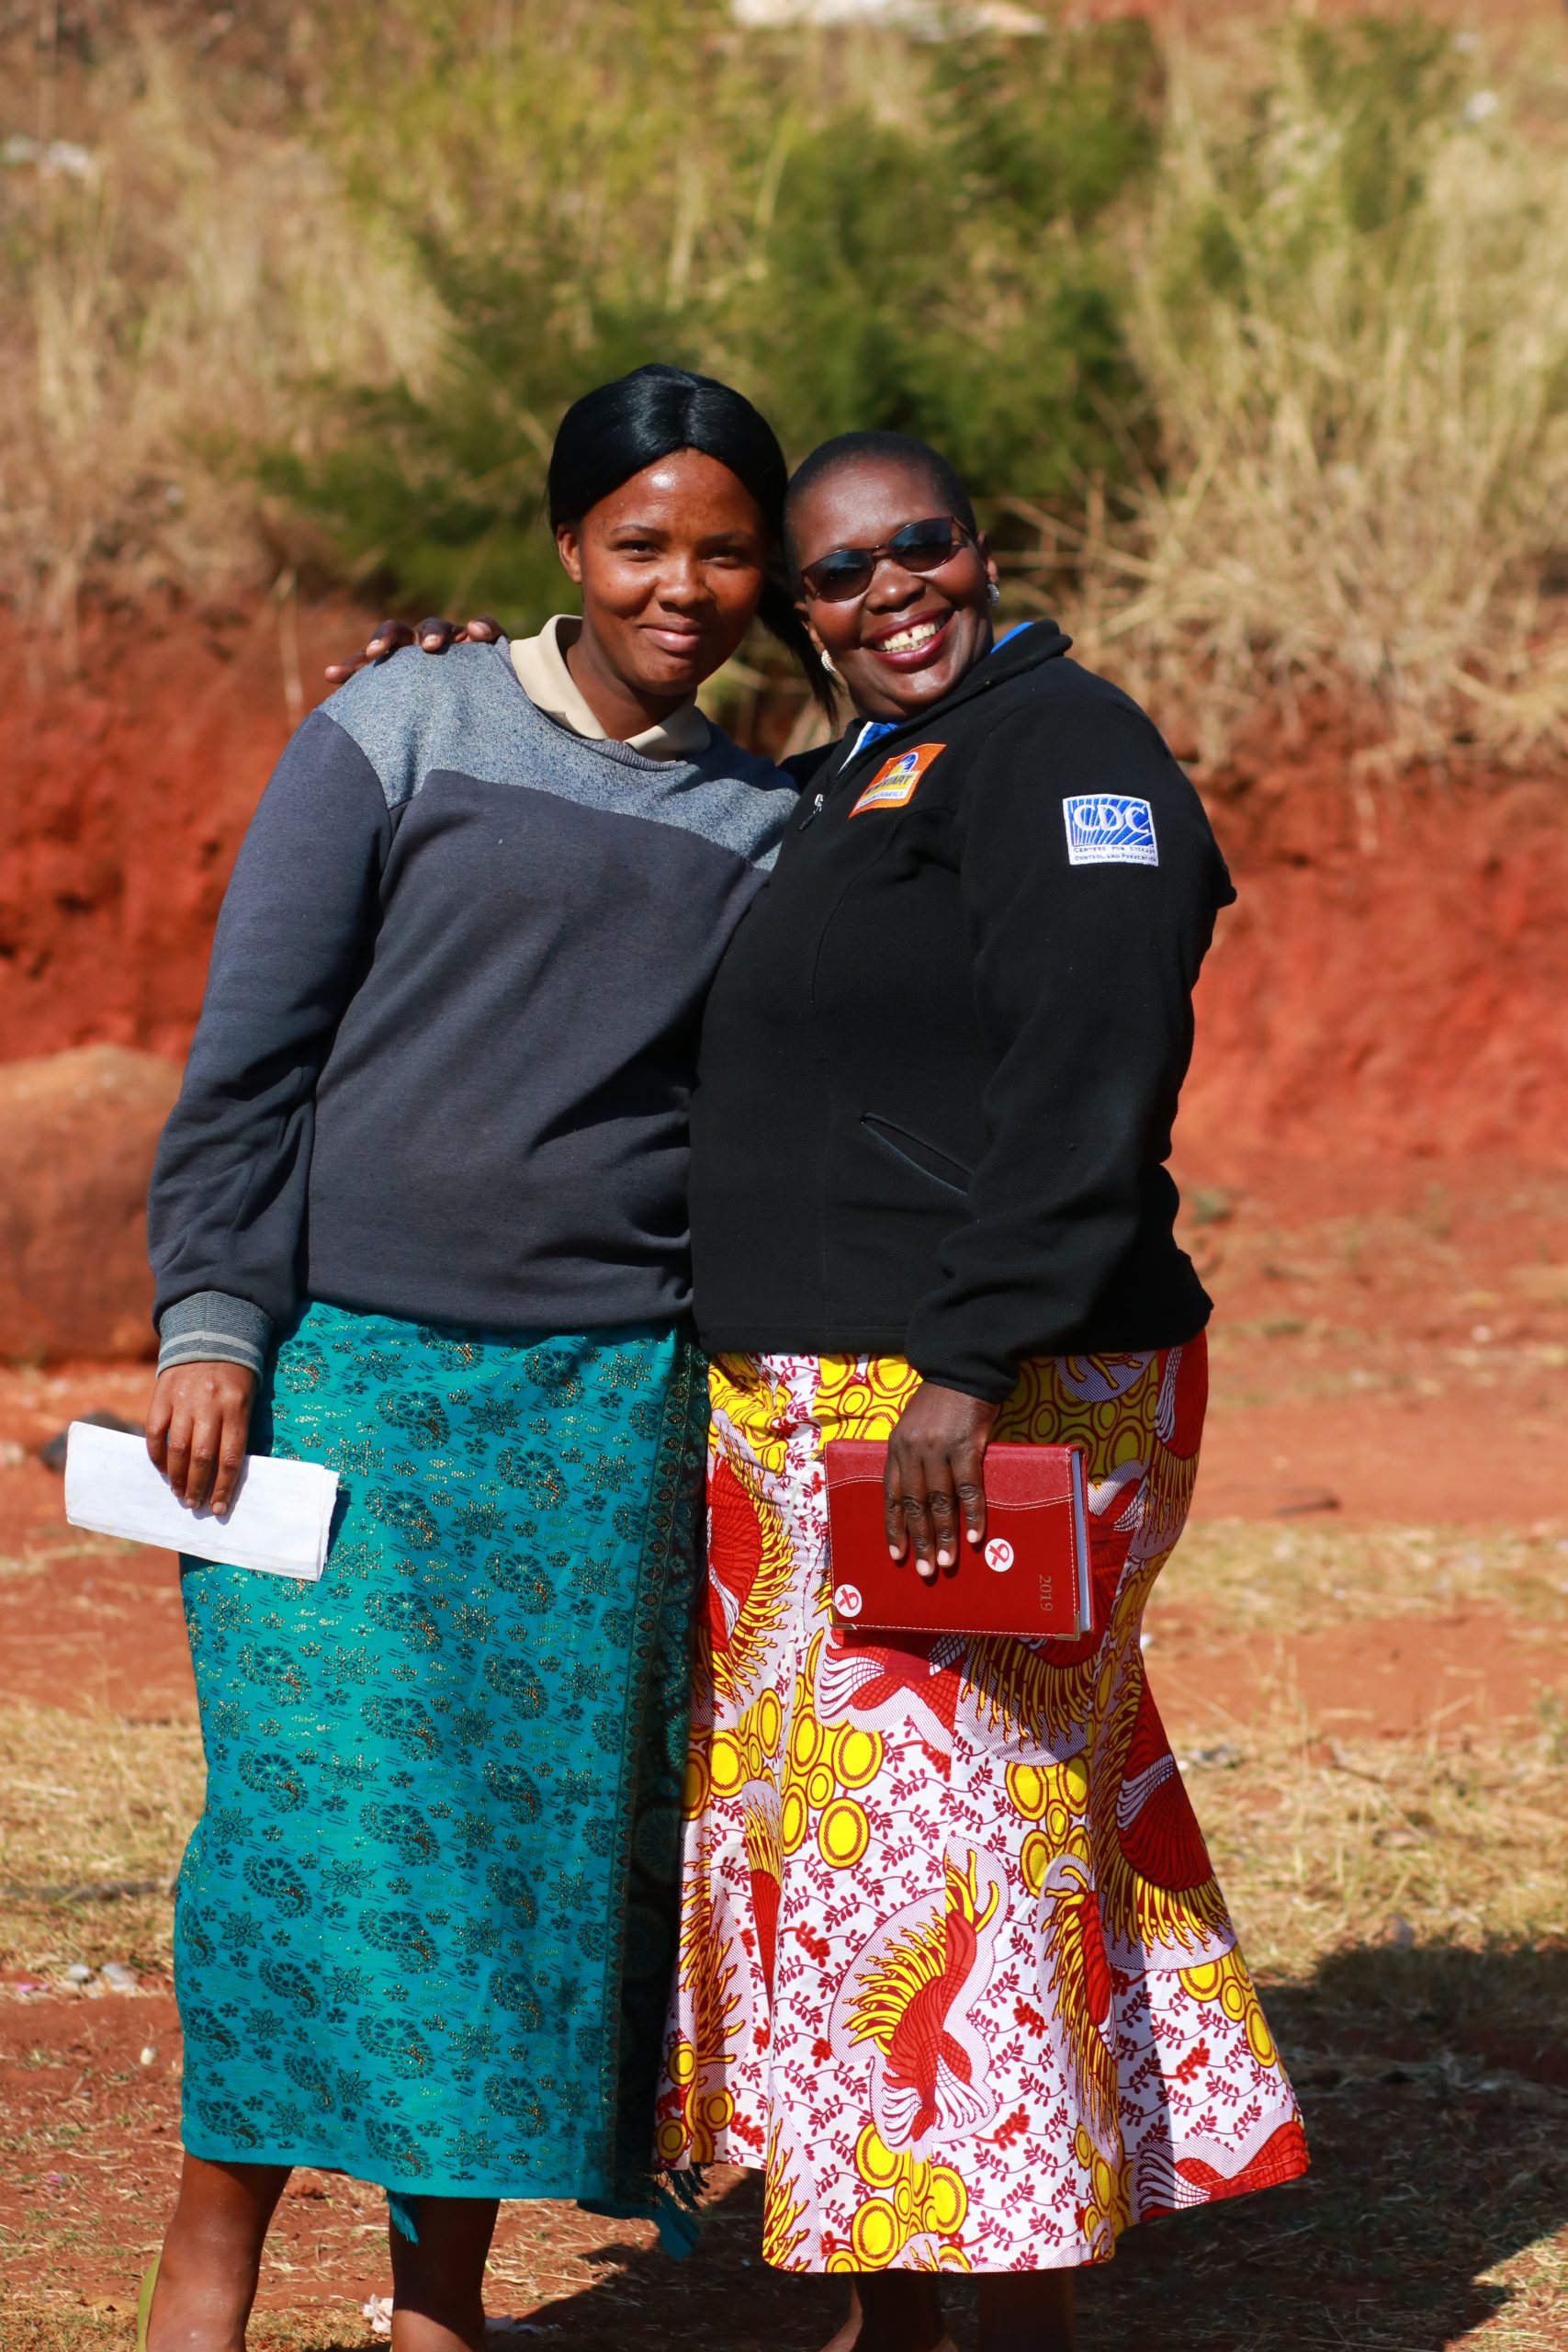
column 1369, row 1615
column 1390, row 1347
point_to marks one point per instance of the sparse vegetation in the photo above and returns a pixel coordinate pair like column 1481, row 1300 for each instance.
column 1257, row 347
column 90, row 1807
column 1351, row 318
column 860, row 233
column 1404, row 1902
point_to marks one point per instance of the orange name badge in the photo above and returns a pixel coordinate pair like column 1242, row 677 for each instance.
column 892, row 786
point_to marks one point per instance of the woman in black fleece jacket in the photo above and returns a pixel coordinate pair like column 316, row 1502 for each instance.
column 954, row 1969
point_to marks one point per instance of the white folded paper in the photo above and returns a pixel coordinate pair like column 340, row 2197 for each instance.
column 280, row 1518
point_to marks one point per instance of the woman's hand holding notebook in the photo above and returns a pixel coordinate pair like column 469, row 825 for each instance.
column 1030, row 1576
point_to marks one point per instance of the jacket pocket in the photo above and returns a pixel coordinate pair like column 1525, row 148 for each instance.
column 926, row 1159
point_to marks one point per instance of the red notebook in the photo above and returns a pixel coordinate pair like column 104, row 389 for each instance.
column 1031, row 1576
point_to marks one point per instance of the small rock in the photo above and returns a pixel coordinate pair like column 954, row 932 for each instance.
column 78, row 1972
column 149, row 2054
column 1400, row 1934
column 1304, row 1501
column 1210, row 1205
column 78, row 1131
column 117, row 1977
column 52, row 1453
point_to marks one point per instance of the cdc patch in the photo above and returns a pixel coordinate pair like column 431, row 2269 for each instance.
column 1103, row 828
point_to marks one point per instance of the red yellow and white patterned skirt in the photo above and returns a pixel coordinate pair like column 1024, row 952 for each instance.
column 954, row 1970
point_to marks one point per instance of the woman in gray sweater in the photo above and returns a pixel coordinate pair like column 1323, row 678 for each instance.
column 420, row 1214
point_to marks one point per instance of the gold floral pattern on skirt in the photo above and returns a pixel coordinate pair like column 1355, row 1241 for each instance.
column 426, row 1924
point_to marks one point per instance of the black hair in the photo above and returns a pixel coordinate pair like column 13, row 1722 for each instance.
column 852, row 448
column 618, row 428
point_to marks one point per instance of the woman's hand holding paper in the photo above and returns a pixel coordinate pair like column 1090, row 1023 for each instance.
column 197, row 1428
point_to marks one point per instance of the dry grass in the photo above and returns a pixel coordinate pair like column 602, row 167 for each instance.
column 1290, row 1580
column 173, row 283
column 1365, row 429
column 1403, row 1903
column 1404, row 1908
column 23, row 2331
column 1322, row 1845
column 90, row 1803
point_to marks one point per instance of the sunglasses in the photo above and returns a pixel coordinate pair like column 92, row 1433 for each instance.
column 919, row 547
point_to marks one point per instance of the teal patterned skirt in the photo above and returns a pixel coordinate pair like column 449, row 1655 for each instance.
column 425, row 1925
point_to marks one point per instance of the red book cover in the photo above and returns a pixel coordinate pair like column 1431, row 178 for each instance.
column 1030, row 1577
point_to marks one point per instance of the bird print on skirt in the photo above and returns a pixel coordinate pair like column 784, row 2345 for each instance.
column 954, row 1969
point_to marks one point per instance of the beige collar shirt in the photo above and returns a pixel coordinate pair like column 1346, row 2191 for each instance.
column 540, row 664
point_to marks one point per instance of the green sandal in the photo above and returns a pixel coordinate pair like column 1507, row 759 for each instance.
column 145, row 2303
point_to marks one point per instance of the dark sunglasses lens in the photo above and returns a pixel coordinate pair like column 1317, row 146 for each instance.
column 840, row 575
column 922, row 546
column 919, row 547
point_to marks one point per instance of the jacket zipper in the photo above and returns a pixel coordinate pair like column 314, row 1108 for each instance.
column 818, row 799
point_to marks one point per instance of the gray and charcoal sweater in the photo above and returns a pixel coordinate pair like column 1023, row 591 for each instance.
column 443, row 1059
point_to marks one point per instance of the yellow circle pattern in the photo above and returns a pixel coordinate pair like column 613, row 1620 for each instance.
column 727, row 1764
column 1056, row 1797
column 820, row 1768
column 914, row 2201
column 769, row 1718
column 696, row 1786
column 843, row 1834
column 857, row 1757
column 1226, row 1982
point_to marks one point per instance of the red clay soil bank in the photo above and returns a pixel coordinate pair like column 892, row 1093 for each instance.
column 126, row 796
column 1394, row 978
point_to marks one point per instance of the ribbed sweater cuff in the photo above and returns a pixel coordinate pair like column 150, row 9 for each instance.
column 211, row 1327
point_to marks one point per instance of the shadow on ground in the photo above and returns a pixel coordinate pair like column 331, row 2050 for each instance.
column 1435, row 2089
column 1435, row 2086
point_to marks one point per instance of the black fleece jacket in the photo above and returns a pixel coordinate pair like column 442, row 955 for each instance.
column 942, row 1058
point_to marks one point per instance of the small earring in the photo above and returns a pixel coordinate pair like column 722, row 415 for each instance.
column 995, row 595
column 829, row 664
